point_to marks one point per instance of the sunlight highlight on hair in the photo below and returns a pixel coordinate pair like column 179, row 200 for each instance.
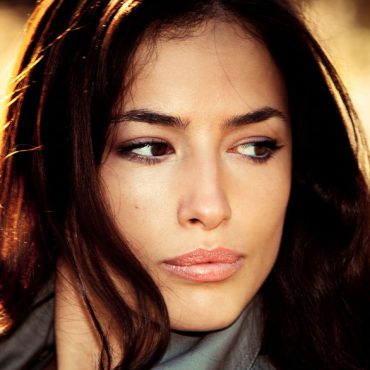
column 5, row 321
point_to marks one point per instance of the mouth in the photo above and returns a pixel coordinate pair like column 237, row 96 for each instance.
column 203, row 265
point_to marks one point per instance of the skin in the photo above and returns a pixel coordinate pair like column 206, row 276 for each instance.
column 211, row 185
column 205, row 190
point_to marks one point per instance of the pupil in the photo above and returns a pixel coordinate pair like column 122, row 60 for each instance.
column 159, row 149
column 260, row 150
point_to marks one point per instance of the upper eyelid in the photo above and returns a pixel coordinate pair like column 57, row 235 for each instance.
column 266, row 142
column 154, row 140
column 257, row 139
column 131, row 145
column 143, row 140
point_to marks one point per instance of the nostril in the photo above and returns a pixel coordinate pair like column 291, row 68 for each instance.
column 193, row 220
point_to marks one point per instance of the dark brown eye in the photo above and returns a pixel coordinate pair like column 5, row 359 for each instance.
column 146, row 148
column 158, row 149
column 257, row 150
column 261, row 150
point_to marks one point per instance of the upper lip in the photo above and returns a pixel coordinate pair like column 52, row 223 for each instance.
column 198, row 256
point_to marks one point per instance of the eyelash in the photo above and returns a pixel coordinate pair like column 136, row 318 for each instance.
column 126, row 150
column 270, row 145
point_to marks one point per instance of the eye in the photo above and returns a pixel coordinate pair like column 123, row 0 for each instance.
column 258, row 150
column 148, row 151
column 151, row 149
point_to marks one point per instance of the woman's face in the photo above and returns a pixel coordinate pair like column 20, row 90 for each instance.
column 198, row 176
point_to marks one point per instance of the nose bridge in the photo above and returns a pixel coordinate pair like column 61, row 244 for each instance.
column 204, row 201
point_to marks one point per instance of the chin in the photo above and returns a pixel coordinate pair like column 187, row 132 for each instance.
column 208, row 307
column 209, row 318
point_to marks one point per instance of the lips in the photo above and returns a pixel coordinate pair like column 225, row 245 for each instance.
column 203, row 265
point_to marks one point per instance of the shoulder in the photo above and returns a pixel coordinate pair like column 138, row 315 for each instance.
column 31, row 346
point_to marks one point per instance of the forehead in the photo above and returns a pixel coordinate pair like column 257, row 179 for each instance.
column 218, row 67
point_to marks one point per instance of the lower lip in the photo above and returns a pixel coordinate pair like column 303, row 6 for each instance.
column 205, row 272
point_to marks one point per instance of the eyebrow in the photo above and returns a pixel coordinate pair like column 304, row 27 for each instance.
column 256, row 116
column 151, row 117
column 158, row 118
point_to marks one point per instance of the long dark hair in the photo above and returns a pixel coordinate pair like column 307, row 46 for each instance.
column 69, row 79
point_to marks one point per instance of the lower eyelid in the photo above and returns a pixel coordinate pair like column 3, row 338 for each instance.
column 132, row 157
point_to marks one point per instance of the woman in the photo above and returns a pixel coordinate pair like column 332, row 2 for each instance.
column 185, row 176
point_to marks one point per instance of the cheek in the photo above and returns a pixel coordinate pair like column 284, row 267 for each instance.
column 138, row 204
column 261, row 213
column 261, row 224
column 262, row 196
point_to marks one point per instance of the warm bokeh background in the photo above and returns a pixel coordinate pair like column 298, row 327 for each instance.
column 342, row 26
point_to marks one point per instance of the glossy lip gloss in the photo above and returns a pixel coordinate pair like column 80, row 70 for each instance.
column 202, row 265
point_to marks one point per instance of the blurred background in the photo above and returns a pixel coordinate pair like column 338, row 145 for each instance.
column 342, row 27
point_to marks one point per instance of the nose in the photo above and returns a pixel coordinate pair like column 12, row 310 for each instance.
column 203, row 202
